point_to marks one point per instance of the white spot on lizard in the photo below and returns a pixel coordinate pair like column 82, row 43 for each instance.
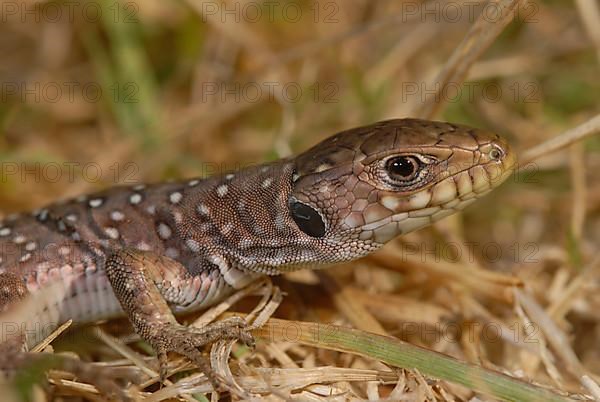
column 113, row 233
column 135, row 199
column 175, row 197
column 117, row 216
column 193, row 245
column 164, row 231
column 222, row 190
column 96, row 202
column 266, row 182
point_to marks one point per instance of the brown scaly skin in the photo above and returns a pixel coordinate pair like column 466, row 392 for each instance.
column 151, row 251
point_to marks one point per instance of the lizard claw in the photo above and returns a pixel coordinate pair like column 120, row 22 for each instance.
column 187, row 341
column 235, row 328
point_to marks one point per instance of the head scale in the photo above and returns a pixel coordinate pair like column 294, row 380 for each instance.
column 365, row 186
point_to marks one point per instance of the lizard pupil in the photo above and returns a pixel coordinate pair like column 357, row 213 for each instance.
column 308, row 220
column 402, row 167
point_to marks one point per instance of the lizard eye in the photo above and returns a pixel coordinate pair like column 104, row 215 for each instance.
column 403, row 168
column 308, row 219
column 496, row 153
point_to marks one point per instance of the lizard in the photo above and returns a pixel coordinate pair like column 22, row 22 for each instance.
column 152, row 251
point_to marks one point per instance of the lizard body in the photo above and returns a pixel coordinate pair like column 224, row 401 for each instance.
column 149, row 250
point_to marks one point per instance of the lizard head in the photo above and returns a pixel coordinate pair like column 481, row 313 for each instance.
column 365, row 186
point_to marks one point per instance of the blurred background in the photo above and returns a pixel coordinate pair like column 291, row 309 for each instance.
column 98, row 93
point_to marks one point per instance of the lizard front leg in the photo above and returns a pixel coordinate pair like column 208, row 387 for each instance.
column 142, row 282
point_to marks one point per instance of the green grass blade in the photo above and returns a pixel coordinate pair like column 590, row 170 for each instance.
column 397, row 353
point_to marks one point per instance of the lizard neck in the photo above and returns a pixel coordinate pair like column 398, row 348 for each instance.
column 242, row 220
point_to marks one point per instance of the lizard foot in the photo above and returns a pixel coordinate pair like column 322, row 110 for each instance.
column 187, row 341
column 135, row 277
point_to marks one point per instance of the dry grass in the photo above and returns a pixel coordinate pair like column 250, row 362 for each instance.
column 511, row 284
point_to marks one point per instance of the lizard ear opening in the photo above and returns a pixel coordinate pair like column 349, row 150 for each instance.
column 307, row 218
